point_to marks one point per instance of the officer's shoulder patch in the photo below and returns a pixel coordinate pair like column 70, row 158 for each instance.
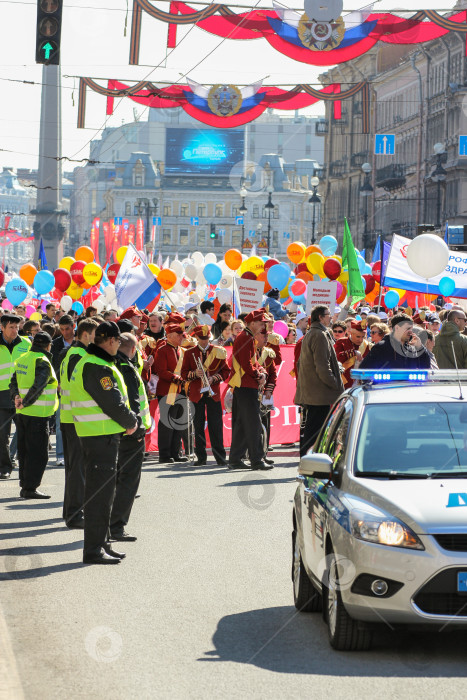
column 221, row 353
column 107, row 383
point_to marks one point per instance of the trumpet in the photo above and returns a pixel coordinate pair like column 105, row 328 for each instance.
column 204, row 378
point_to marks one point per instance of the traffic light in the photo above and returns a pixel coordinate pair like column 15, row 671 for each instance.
column 213, row 233
column 49, row 28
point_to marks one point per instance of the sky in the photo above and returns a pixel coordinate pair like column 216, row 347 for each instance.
column 94, row 45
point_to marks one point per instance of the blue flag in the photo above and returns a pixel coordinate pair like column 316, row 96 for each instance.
column 446, row 233
column 42, row 259
column 377, row 250
column 385, row 260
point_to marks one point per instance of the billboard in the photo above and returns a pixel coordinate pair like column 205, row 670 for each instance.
column 203, row 151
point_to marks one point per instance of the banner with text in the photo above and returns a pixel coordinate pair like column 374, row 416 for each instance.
column 321, row 293
column 250, row 294
column 399, row 274
column 285, row 418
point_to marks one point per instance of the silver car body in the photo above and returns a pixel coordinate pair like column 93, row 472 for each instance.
column 430, row 507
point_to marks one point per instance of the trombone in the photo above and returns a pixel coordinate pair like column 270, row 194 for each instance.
column 204, row 378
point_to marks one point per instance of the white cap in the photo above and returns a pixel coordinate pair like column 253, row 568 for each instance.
column 299, row 317
column 190, row 305
column 337, row 309
column 448, row 306
column 206, row 320
column 365, row 310
column 383, row 315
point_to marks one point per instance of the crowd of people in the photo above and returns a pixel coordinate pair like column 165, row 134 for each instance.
column 90, row 379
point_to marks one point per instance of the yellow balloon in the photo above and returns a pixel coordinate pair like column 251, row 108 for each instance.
column 337, row 257
column 75, row 291
column 66, row 263
column 343, row 277
column 284, row 293
column 314, row 263
column 92, row 273
column 121, row 252
column 35, row 316
column 154, row 269
column 253, row 264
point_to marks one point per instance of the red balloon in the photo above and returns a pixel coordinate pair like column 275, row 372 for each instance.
column 269, row 263
column 300, row 268
column 249, row 276
column 76, row 271
column 376, row 270
column 2, row 276
column 112, row 272
column 62, row 279
column 332, row 268
column 370, row 283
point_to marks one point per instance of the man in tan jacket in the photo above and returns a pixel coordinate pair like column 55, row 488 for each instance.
column 319, row 382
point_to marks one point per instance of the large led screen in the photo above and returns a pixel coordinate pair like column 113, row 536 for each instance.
column 201, row 151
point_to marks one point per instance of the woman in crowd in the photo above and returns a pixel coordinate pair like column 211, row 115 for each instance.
column 378, row 331
column 155, row 328
column 291, row 337
column 225, row 337
column 339, row 330
column 224, row 315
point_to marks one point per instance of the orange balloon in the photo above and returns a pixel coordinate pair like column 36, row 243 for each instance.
column 85, row 285
column 233, row 259
column 263, row 277
column 27, row 273
column 85, row 254
column 305, row 276
column 340, row 299
column 167, row 278
column 296, row 252
column 312, row 249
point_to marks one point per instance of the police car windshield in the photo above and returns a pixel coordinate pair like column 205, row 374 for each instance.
column 399, row 440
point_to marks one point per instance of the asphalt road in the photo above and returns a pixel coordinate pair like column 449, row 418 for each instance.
column 201, row 607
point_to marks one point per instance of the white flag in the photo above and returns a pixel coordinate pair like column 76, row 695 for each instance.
column 134, row 279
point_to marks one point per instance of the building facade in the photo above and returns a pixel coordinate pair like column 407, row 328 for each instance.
column 419, row 95
column 16, row 201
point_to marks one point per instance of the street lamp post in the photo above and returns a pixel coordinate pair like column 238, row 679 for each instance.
column 438, row 175
column 259, row 230
column 243, row 210
column 366, row 190
column 314, row 200
column 144, row 205
column 269, row 206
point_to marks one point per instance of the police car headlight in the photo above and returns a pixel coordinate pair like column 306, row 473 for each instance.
column 383, row 529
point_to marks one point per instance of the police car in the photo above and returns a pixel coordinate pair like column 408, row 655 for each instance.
column 380, row 512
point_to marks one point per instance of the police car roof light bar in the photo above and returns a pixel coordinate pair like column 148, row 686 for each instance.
column 409, row 375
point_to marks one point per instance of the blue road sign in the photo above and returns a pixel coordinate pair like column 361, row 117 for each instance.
column 463, row 145
column 385, row 144
column 252, row 232
column 194, row 221
column 156, row 221
column 221, row 232
column 239, row 220
column 118, row 220
column 286, row 234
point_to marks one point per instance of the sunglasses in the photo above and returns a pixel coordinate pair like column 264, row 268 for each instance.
column 374, row 333
column 339, row 331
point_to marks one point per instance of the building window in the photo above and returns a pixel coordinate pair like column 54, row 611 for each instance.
column 275, row 239
column 255, row 213
column 219, row 211
column 138, row 174
column 292, row 212
column 235, row 211
column 184, row 210
column 166, row 236
column 236, row 239
column 276, row 211
column 184, row 236
column 201, row 237
column 167, row 211
column 219, row 241
column 127, row 208
column 201, row 210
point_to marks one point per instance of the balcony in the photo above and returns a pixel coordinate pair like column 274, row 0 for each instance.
column 391, row 177
column 357, row 159
column 322, row 127
column 337, row 168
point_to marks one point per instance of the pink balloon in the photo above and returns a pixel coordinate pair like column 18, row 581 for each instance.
column 298, row 287
column 7, row 305
column 281, row 328
column 29, row 310
column 339, row 289
column 43, row 305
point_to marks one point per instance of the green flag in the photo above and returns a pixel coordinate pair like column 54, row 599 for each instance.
column 355, row 287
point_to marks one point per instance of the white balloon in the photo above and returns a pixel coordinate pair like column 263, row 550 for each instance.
column 198, row 259
column 226, row 281
column 427, row 255
column 195, row 298
column 191, row 271
column 177, row 267
column 244, row 257
column 99, row 305
column 109, row 292
column 186, row 261
column 224, row 296
column 210, row 258
column 66, row 302
column 178, row 288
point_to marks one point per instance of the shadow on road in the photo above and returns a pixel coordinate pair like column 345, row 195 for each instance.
column 28, row 523
column 282, row 640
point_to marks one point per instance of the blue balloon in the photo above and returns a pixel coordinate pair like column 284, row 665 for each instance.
column 44, row 282
column 391, row 299
column 16, row 291
column 328, row 245
column 278, row 276
column 446, row 286
column 367, row 270
column 78, row 307
column 361, row 264
column 299, row 300
column 212, row 273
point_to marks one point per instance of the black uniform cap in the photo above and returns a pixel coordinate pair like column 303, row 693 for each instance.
column 107, row 329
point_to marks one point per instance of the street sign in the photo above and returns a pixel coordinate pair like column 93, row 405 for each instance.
column 463, row 145
column 286, row 235
column 194, row 221
column 252, row 232
column 221, row 232
column 385, row 144
column 239, row 220
column 118, row 220
column 156, row 221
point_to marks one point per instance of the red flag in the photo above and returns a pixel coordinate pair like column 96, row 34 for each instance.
column 131, row 238
column 126, row 232
column 139, row 235
column 107, row 226
column 116, row 239
column 95, row 229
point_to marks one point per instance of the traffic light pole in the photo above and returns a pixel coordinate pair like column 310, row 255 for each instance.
column 49, row 207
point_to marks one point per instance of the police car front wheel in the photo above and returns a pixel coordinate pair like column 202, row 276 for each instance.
column 345, row 634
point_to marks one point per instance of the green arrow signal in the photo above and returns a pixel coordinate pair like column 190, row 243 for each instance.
column 47, row 49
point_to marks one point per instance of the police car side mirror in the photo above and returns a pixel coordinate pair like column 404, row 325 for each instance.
column 315, row 464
